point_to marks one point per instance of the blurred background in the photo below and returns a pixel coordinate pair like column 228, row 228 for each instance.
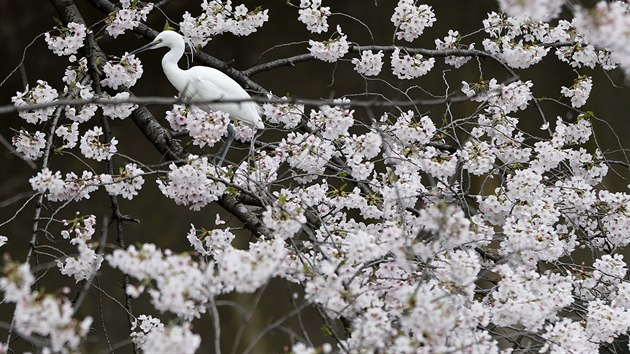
column 161, row 222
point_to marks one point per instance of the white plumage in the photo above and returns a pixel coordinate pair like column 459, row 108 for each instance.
column 204, row 83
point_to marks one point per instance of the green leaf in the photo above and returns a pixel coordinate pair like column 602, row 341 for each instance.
column 168, row 27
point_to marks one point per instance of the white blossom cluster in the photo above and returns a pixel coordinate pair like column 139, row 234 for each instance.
column 289, row 115
column 451, row 41
column 194, row 183
column 332, row 122
column 173, row 339
column 126, row 184
column 118, row 110
column 183, row 286
column 314, row 15
column 307, row 153
column 516, row 40
column 69, row 41
column 410, row 66
column 124, row 73
column 79, row 86
column 88, row 262
column 606, row 26
column 127, row 17
column 42, row 93
column 205, row 128
column 286, row 216
column 331, row 50
column 411, row 20
column 501, row 98
column 92, row 147
column 31, row 146
column 43, row 315
column 219, row 17
column 369, row 64
column 537, row 10
column 579, row 91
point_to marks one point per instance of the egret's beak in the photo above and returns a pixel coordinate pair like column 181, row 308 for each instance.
column 145, row 47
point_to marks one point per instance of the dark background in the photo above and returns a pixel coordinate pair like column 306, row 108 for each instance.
column 164, row 223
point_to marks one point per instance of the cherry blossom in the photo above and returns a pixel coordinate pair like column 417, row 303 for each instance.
column 128, row 17
column 411, row 20
column 369, row 64
column 332, row 49
column 289, row 115
column 42, row 93
column 124, row 73
column 410, row 66
column 579, row 92
column 70, row 40
column 451, row 41
column 31, row 146
column 93, row 148
column 314, row 15
column 119, row 110
column 539, row 10
column 127, row 183
column 220, row 17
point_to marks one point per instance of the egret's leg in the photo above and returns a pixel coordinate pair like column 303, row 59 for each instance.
column 227, row 144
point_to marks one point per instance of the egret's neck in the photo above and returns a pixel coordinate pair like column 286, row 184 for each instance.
column 169, row 63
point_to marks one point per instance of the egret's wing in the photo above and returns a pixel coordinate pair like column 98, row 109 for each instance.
column 219, row 87
column 202, row 90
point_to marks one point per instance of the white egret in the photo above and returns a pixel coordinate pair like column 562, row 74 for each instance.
column 205, row 83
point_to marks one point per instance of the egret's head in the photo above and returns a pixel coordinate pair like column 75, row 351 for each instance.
column 164, row 39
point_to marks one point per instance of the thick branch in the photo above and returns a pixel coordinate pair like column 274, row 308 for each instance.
column 435, row 53
column 149, row 100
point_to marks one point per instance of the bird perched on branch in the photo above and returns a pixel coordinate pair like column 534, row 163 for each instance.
column 204, row 83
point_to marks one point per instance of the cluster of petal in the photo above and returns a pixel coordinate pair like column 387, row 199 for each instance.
column 286, row 216
column 194, row 183
column 173, row 338
column 69, row 41
column 307, row 153
column 79, row 86
column 43, row 315
column 332, row 122
column 606, row 26
column 411, row 20
column 31, row 146
column 538, row 10
column 118, row 110
column 516, row 40
column 451, row 41
column 69, row 134
column 88, row 262
column 331, row 50
column 205, row 128
column 288, row 114
column 127, row 17
column 126, row 184
column 219, row 17
column 73, row 187
column 42, row 93
column 92, row 147
column 410, row 66
column 369, row 64
column 125, row 73
column 579, row 92
column 314, row 15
